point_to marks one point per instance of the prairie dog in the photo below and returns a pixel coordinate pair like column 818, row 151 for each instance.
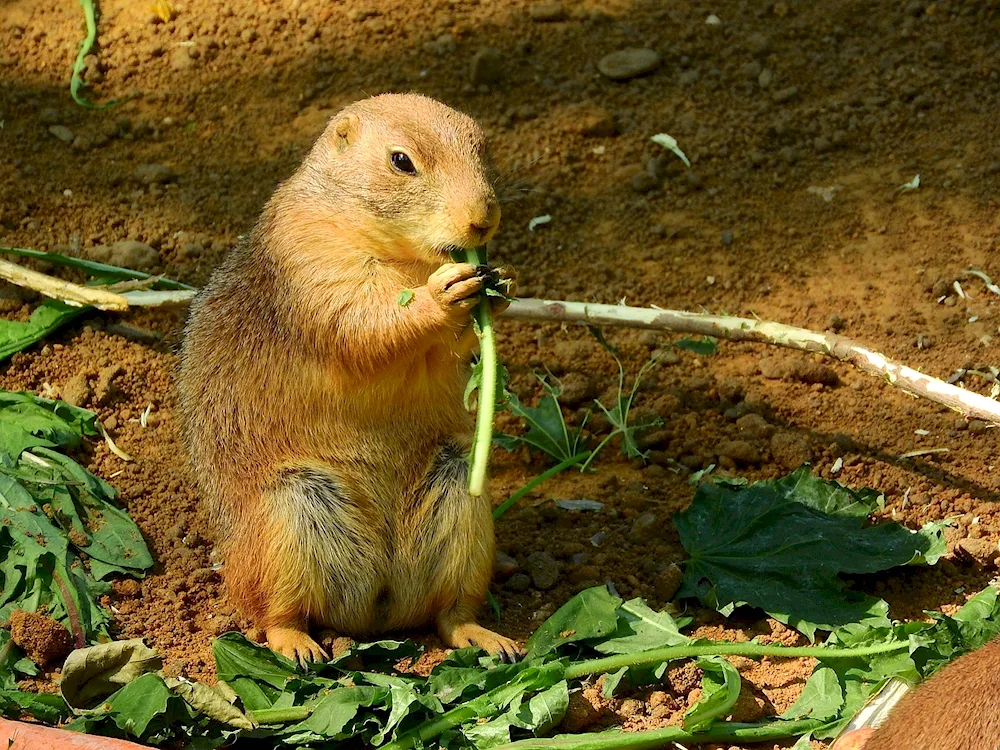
column 324, row 417
column 957, row 709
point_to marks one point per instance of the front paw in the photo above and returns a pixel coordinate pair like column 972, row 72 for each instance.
column 456, row 287
column 296, row 645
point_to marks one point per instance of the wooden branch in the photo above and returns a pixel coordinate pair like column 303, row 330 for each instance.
column 915, row 383
column 70, row 293
column 967, row 403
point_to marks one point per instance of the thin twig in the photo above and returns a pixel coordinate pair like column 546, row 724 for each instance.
column 70, row 293
column 911, row 381
column 969, row 404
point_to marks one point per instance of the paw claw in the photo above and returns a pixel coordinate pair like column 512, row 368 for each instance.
column 470, row 634
column 295, row 645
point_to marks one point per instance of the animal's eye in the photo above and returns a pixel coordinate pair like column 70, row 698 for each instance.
column 401, row 163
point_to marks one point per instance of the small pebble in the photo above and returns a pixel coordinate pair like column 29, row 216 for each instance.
column 487, row 66
column 629, row 63
column 61, row 132
column 543, row 569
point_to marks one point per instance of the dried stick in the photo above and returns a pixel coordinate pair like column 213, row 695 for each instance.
column 744, row 329
column 68, row 292
column 967, row 403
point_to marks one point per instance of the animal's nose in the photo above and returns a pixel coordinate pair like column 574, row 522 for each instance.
column 486, row 219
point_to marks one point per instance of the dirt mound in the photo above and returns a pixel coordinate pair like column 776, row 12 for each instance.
column 44, row 641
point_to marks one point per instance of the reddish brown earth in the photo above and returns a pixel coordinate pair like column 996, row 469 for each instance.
column 778, row 99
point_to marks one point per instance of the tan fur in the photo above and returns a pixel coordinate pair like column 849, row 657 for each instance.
column 325, row 421
column 958, row 709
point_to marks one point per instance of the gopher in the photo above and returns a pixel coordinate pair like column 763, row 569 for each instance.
column 321, row 386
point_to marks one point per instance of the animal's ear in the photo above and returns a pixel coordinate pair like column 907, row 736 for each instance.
column 345, row 130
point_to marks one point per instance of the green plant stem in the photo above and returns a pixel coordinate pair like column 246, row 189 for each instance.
column 724, row 733
column 91, row 267
column 281, row 715
column 670, row 653
column 543, row 477
column 483, row 440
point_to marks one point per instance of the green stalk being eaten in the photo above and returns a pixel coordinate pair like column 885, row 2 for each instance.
column 482, row 440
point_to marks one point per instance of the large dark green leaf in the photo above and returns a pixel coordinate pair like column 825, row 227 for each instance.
column 782, row 546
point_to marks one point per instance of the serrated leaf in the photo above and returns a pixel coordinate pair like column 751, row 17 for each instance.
column 642, row 629
column 547, row 429
column 593, row 613
column 781, row 545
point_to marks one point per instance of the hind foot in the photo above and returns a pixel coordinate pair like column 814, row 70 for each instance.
column 296, row 645
column 471, row 634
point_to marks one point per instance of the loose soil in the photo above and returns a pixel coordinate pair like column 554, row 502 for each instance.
column 802, row 121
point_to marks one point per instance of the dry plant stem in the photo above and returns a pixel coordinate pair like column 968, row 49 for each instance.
column 68, row 292
column 967, row 403
column 915, row 383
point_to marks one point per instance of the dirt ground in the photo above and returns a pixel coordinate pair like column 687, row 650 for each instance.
column 802, row 121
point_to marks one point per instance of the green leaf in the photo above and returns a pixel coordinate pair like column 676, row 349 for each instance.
column 641, row 629
column 720, row 689
column 705, row 345
column 612, row 681
column 27, row 421
column 822, row 697
column 465, row 673
column 47, row 708
column 781, row 545
column 545, row 710
column 235, row 656
column 134, row 706
column 593, row 613
column 618, row 414
column 85, row 506
column 336, row 709
column 476, row 380
column 210, row 701
column 547, row 429
column 405, row 298
column 50, row 315
column 254, row 695
column 541, row 713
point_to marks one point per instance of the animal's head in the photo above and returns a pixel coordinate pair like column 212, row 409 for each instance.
column 412, row 175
